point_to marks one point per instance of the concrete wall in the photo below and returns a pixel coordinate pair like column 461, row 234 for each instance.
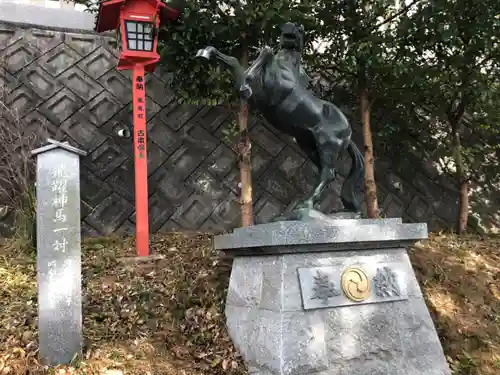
column 46, row 17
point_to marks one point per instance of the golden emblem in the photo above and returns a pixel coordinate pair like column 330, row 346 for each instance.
column 355, row 284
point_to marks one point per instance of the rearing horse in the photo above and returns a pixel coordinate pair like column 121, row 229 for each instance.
column 276, row 85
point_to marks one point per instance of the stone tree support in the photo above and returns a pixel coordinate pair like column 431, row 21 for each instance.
column 329, row 299
column 59, row 252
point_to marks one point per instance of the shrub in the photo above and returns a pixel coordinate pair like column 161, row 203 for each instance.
column 18, row 168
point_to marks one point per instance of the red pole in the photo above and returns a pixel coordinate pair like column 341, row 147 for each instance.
column 140, row 161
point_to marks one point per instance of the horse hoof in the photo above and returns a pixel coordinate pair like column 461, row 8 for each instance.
column 245, row 92
column 305, row 205
column 203, row 53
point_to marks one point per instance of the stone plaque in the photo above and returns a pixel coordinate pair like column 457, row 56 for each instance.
column 59, row 253
column 323, row 287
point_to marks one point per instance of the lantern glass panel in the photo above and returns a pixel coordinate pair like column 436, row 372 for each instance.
column 139, row 36
column 132, row 27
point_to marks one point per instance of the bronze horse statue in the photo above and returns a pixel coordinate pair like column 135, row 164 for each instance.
column 277, row 86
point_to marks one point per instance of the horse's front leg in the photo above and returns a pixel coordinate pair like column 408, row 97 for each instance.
column 230, row 61
column 253, row 70
column 264, row 56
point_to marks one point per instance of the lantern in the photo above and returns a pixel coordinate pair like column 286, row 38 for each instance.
column 137, row 23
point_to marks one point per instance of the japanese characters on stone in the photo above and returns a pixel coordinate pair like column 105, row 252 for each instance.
column 59, row 188
column 324, row 288
column 385, row 283
column 345, row 285
column 58, row 252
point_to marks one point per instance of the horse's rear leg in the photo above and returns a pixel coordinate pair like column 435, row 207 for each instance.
column 329, row 149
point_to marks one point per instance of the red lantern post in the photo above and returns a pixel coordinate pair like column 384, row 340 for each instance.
column 137, row 23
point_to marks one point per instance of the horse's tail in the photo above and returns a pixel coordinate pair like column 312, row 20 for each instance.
column 354, row 181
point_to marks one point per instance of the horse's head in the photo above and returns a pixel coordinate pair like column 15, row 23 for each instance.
column 292, row 37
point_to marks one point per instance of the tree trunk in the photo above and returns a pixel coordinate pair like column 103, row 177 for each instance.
column 454, row 119
column 370, row 186
column 244, row 154
column 463, row 184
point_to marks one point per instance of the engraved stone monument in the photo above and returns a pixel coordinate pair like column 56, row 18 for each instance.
column 59, row 252
column 335, row 298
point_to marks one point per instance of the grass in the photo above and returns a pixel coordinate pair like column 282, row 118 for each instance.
column 166, row 316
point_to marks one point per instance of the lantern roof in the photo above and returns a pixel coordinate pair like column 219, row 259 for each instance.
column 108, row 17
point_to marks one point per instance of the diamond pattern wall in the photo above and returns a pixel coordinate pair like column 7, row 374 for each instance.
column 68, row 82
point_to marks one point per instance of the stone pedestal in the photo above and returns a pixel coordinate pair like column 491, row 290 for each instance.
column 307, row 298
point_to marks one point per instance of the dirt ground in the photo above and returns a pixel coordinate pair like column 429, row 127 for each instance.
column 460, row 279
column 166, row 316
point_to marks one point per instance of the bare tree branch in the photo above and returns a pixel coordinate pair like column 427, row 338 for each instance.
column 17, row 166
